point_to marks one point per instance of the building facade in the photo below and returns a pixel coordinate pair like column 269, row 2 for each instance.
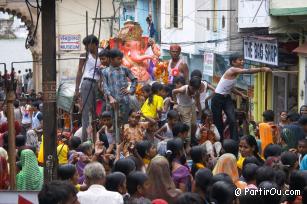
column 281, row 22
column 139, row 10
column 203, row 28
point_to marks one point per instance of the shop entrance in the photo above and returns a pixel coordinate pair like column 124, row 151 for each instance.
column 285, row 88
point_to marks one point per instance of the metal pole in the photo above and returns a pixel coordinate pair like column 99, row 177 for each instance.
column 11, row 130
column 49, row 88
column 117, row 139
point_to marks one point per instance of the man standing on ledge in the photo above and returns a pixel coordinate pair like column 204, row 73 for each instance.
column 176, row 66
column 222, row 100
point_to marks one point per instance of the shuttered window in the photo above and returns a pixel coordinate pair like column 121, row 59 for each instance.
column 173, row 13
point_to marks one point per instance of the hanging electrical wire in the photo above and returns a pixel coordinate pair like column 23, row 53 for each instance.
column 30, row 40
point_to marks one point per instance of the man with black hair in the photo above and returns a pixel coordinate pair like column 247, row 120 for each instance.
column 222, row 100
column 88, row 71
column 58, row 192
column 115, row 85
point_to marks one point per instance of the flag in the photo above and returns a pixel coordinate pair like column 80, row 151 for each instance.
column 22, row 200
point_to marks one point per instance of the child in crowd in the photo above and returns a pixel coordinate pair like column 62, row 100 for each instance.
column 133, row 131
column 80, row 159
column 62, row 148
column 153, row 105
column 165, row 93
column 146, row 150
column 181, row 130
column 176, row 158
column 116, row 182
column 199, row 157
column 74, row 144
column 106, row 133
column 150, row 134
column 178, row 82
column 208, row 135
column 249, row 175
column 137, row 186
column 301, row 149
column 188, row 100
column 203, row 90
column 166, row 129
column 68, row 172
column 146, row 91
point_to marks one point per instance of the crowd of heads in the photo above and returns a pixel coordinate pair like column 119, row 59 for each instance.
column 164, row 161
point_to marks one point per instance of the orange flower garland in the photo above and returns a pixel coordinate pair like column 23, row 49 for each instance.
column 138, row 91
column 161, row 72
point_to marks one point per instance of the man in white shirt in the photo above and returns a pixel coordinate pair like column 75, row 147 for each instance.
column 95, row 178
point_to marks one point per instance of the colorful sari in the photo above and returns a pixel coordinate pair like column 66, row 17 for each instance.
column 267, row 134
column 227, row 164
column 31, row 176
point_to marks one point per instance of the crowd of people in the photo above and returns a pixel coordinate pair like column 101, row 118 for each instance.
column 169, row 146
column 24, row 83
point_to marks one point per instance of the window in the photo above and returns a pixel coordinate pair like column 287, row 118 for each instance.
column 175, row 14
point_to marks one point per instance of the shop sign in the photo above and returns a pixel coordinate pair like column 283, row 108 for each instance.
column 70, row 42
column 262, row 50
column 208, row 64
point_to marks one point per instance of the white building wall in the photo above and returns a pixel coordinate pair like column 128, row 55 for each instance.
column 71, row 19
column 177, row 35
column 253, row 14
column 205, row 21
column 196, row 28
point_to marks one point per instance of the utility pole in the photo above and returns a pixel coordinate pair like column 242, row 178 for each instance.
column 49, row 89
column 10, row 98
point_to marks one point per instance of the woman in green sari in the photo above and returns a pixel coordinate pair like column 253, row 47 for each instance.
column 31, row 175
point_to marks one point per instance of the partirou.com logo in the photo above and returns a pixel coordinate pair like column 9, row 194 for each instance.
column 264, row 192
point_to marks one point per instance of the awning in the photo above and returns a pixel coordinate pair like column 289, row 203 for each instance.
column 302, row 49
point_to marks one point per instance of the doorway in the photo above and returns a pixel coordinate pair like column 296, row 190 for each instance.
column 285, row 93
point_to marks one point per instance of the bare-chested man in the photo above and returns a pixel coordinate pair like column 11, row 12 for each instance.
column 176, row 66
column 222, row 100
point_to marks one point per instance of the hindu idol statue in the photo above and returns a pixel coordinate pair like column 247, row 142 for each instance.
column 140, row 52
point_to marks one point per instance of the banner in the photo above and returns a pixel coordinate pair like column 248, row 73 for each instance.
column 208, row 64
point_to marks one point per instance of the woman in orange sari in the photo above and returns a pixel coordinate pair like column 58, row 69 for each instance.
column 227, row 164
